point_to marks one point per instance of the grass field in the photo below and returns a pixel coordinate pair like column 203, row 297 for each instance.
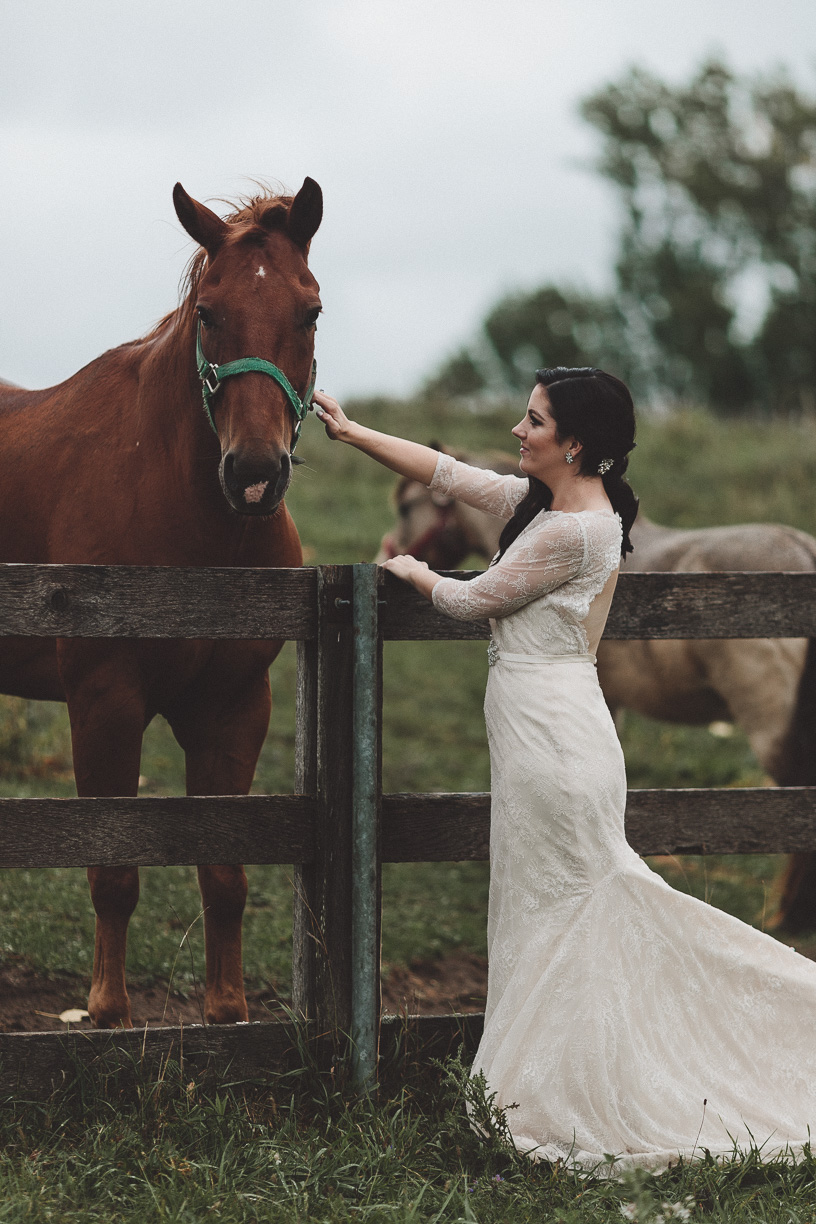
column 290, row 1153
column 302, row 1151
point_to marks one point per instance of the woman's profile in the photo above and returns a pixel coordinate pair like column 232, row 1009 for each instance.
column 623, row 1018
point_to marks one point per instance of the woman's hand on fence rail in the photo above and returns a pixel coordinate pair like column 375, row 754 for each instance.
column 409, row 459
column 417, row 573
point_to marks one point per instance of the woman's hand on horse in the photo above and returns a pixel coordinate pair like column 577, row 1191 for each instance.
column 332, row 415
column 408, row 458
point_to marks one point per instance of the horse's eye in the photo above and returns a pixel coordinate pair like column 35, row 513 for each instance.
column 312, row 316
column 204, row 315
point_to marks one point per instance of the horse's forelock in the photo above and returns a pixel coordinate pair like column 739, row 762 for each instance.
column 254, row 218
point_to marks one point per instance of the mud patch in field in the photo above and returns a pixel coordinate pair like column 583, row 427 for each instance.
column 456, row 983
column 32, row 1002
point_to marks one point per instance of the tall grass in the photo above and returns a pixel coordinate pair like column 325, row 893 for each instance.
column 125, row 1148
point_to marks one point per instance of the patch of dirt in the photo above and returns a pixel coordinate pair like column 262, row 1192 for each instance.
column 32, row 1002
column 426, row 988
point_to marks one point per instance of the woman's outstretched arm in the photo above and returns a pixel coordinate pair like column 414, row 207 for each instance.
column 409, row 459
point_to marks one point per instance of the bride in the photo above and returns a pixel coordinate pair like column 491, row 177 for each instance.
column 623, row 1018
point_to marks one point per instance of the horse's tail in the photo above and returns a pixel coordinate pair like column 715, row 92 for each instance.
column 797, row 907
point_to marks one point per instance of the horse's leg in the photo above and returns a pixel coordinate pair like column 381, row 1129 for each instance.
column 107, row 712
column 769, row 685
column 221, row 727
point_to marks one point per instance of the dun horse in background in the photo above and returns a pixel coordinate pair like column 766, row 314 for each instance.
column 767, row 686
column 119, row 465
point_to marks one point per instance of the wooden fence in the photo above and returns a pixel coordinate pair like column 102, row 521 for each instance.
column 312, row 829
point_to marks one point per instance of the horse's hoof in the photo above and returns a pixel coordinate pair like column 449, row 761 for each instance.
column 106, row 1021
column 108, row 1014
column 225, row 1010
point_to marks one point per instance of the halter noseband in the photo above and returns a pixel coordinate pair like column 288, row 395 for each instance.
column 213, row 375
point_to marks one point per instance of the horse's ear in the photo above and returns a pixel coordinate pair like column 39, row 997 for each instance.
column 199, row 221
column 305, row 213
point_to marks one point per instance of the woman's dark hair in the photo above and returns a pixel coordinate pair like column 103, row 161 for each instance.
column 596, row 409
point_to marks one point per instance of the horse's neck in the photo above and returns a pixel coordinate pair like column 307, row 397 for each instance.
column 480, row 531
column 645, row 530
column 683, row 548
column 650, row 542
column 170, row 407
column 166, row 422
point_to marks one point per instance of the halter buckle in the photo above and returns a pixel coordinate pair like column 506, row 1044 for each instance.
column 213, row 374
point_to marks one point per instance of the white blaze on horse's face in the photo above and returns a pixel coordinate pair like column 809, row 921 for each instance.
column 261, row 270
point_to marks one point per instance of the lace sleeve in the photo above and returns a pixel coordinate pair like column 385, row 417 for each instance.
column 478, row 487
column 543, row 557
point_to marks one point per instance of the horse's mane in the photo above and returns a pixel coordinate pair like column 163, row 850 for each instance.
column 253, row 217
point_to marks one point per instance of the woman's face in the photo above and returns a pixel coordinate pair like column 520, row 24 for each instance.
column 541, row 451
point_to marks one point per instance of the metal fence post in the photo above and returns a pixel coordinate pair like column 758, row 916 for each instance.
column 365, row 914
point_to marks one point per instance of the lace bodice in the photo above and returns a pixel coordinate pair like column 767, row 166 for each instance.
column 539, row 597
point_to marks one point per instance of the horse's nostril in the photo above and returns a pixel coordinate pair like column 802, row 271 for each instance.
column 284, row 476
column 230, row 479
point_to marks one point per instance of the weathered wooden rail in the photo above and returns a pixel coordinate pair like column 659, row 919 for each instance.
column 313, row 829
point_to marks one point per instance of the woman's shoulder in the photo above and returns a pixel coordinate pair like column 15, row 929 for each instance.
column 569, row 522
column 610, row 514
column 588, row 532
column 596, row 522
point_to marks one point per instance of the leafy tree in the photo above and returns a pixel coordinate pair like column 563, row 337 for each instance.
column 718, row 182
column 458, row 376
column 718, row 179
column 524, row 332
column 555, row 327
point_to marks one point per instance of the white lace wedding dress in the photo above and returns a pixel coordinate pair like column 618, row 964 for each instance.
column 623, row 1018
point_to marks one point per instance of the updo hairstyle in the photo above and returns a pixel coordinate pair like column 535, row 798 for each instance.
column 596, row 409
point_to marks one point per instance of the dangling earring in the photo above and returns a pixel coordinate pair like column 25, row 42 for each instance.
column 569, row 457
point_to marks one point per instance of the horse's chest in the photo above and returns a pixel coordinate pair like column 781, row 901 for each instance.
column 163, row 672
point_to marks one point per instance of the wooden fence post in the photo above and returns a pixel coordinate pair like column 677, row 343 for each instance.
column 322, row 927
column 303, row 944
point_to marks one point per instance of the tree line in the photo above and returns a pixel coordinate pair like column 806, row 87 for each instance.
column 717, row 179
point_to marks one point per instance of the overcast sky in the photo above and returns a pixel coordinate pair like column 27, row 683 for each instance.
column 444, row 135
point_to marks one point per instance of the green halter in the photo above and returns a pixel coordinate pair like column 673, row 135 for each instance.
column 212, row 376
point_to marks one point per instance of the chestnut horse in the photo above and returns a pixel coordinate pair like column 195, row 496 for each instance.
column 120, row 465
column 766, row 685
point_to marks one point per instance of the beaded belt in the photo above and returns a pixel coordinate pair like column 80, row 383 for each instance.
column 494, row 654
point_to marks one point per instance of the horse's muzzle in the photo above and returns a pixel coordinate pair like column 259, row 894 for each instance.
column 255, row 484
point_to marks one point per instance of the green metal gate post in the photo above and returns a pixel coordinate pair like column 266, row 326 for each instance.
column 365, row 939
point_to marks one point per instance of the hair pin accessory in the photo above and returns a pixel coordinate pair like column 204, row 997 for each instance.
column 604, row 466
